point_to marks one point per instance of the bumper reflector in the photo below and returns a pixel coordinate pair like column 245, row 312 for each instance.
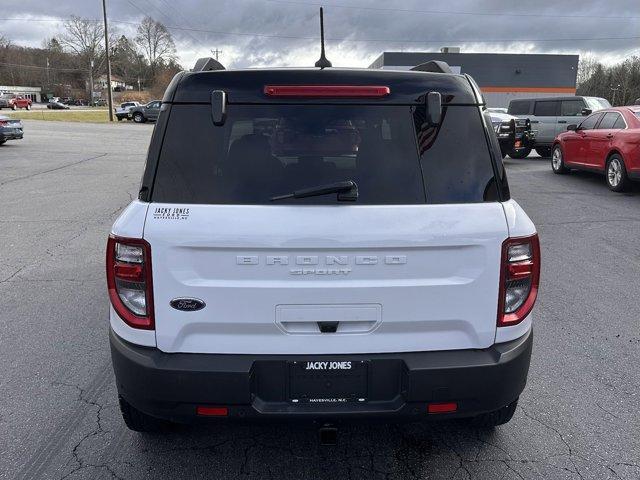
column 447, row 407
column 212, row 411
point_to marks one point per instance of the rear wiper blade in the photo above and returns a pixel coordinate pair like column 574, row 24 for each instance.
column 347, row 191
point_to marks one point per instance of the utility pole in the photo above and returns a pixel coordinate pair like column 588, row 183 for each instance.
column 91, row 83
column 107, row 55
column 48, row 81
column 216, row 52
column 614, row 90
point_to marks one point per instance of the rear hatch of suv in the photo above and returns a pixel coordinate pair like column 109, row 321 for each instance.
column 413, row 264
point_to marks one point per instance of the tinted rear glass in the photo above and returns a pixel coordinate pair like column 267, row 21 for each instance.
column 264, row 151
column 608, row 120
column 571, row 107
column 619, row 123
column 590, row 122
column 546, row 109
column 519, row 107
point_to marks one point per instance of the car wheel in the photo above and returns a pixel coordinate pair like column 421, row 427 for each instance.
column 139, row 421
column 28, row 107
column 616, row 174
column 119, row 119
column 2, row 142
column 14, row 107
column 495, row 418
column 524, row 153
column 557, row 161
column 138, row 117
column 543, row 151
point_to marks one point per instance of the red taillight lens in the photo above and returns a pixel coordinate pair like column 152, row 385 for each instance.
column 129, row 280
column 446, row 407
column 3, row 123
column 212, row 411
column 519, row 279
column 335, row 91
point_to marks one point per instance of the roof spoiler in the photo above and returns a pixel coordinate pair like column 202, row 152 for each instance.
column 436, row 66
column 207, row 64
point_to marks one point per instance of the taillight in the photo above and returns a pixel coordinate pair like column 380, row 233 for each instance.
column 3, row 123
column 519, row 279
column 129, row 280
column 335, row 91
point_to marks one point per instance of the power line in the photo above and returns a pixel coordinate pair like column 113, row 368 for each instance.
column 377, row 40
column 130, row 2
column 451, row 12
column 20, row 65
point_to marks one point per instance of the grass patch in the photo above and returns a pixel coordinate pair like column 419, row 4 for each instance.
column 91, row 116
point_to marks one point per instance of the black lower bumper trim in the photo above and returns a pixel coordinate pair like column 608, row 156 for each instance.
column 171, row 385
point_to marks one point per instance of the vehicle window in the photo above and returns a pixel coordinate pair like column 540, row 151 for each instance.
column 519, row 107
column 619, row 123
column 571, row 107
column 546, row 109
column 596, row 103
column 268, row 150
column 608, row 120
column 590, row 122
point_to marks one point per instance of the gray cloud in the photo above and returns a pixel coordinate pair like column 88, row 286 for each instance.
column 355, row 36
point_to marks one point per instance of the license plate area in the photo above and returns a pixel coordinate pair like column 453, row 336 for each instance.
column 328, row 382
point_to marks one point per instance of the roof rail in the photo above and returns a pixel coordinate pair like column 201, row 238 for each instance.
column 207, row 64
column 436, row 66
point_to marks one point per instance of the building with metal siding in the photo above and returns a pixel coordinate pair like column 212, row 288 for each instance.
column 501, row 76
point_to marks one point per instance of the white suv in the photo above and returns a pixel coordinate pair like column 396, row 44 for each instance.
column 322, row 243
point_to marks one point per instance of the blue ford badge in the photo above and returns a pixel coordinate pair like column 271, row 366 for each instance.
column 187, row 304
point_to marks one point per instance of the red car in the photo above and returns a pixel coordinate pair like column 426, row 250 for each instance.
column 607, row 141
column 14, row 102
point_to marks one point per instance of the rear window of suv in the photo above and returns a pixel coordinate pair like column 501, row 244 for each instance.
column 268, row 150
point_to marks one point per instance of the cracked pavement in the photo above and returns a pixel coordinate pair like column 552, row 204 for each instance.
column 64, row 184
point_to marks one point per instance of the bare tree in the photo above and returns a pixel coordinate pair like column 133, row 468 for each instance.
column 156, row 42
column 84, row 38
column 586, row 67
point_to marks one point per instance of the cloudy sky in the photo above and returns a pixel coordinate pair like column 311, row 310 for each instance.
column 285, row 32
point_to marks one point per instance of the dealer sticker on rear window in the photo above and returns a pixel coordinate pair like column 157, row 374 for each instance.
column 171, row 213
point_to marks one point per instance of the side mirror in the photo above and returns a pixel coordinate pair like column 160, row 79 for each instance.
column 218, row 107
column 434, row 108
column 573, row 127
column 586, row 111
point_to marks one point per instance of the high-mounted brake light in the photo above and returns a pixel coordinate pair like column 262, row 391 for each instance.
column 329, row 91
column 519, row 279
column 129, row 280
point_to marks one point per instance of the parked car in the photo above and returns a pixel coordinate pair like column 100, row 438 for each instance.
column 122, row 112
column 606, row 142
column 145, row 113
column 550, row 116
column 514, row 134
column 79, row 103
column 57, row 106
column 10, row 129
column 395, row 280
column 14, row 102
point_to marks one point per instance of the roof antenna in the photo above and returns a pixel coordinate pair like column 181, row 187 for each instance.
column 323, row 62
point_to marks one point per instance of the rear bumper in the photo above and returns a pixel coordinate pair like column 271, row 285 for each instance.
column 11, row 136
column 170, row 386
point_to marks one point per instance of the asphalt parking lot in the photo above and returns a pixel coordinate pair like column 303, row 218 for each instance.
column 62, row 187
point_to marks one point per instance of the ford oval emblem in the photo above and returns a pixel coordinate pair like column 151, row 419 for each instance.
column 187, row 304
